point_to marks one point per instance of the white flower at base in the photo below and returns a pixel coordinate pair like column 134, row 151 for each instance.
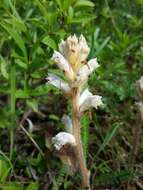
column 57, row 82
column 62, row 139
column 88, row 100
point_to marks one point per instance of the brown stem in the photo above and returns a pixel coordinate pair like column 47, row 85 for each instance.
column 77, row 135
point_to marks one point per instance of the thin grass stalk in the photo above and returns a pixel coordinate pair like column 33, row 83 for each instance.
column 12, row 105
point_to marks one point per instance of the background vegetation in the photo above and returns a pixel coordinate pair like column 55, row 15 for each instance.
column 29, row 31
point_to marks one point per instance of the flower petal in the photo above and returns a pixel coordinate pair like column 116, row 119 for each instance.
column 59, row 59
column 66, row 120
column 63, row 64
column 62, row 47
column 83, row 47
column 58, row 82
column 85, row 94
column 87, row 100
column 63, row 138
column 87, row 69
column 140, row 83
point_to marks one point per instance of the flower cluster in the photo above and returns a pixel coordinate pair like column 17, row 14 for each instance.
column 72, row 60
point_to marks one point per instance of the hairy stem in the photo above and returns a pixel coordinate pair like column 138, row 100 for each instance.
column 77, row 135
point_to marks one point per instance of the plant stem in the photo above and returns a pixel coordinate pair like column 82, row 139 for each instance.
column 77, row 135
column 12, row 106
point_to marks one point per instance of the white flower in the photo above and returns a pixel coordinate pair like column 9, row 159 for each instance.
column 66, row 120
column 87, row 100
column 140, row 82
column 87, row 69
column 57, row 82
column 63, row 64
column 62, row 139
column 85, row 94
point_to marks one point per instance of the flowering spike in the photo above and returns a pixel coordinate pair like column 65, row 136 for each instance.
column 72, row 59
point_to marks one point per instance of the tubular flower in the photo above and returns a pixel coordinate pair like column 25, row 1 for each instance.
column 58, row 82
column 62, row 139
column 87, row 100
column 87, row 69
column 63, row 64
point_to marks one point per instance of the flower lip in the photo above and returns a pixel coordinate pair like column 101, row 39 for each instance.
column 62, row 139
column 63, row 64
column 58, row 82
column 87, row 100
column 87, row 69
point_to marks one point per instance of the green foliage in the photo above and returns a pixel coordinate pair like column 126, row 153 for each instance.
column 85, row 121
column 114, row 178
column 5, row 167
column 33, row 186
column 109, row 135
column 12, row 186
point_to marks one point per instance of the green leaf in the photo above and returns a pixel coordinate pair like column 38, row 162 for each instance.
column 12, row 186
column 110, row 134
column 84, row 19
column 85, row 133
column 21, row 64
column 116, row 177
column 104, row 43
column 4, row 169
column 40, row 90
column 53, row 117
column 21, row 94
column 50, row 42
column 3, row 65
column 33, row 104
column 32, row 186
column 59, row 3
column 84, row 3
column 17, row 38
column 17, row 23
